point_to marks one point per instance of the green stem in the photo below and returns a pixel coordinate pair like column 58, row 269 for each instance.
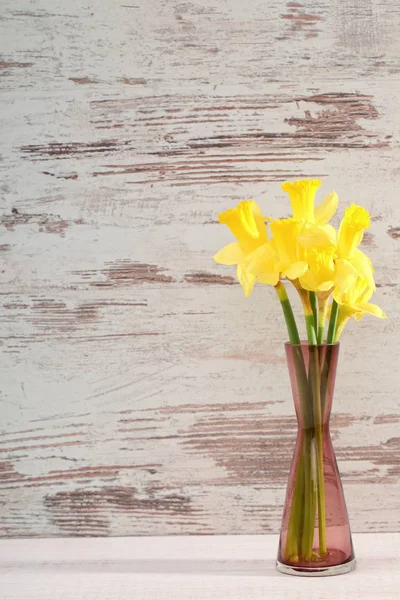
column 314, row 307
column 288, row 313
column 299, row 502
column 322, row 313
column 295, row 525
column 310, row 327
column 341, row 322
column 307, row 537
column 308, row 312
column 318, row 425
column 332, row 323
column 325, row 376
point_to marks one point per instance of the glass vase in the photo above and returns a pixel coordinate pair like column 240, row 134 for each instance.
column 315, row 533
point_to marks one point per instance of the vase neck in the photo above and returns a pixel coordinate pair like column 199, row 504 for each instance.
column 312, row 371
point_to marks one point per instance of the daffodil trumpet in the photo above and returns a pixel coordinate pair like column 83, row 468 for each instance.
column 335, row 281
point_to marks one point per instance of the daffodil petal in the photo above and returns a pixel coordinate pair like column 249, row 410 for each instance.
column 358, row 316
column 351, row 230
column 345, row 275
column 296, row 270
column 317, row 236
column 325, row 211
column 308, row 281
column 366, row 294
column 321, row 268
column 246, row 280
column 326, row 286
column 363, row 265
column 231, row 254
column 330, row 232
column 269, row 278
column 370, row 309
column 263, row 264
column 260, row 260
column 285, row 242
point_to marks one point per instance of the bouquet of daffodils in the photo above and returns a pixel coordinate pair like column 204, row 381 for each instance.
column 335, row 281
column 305, row 250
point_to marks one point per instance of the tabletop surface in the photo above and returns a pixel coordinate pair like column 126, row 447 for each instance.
column 190, row 567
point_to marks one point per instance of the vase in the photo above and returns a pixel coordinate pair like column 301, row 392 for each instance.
column 315, row 534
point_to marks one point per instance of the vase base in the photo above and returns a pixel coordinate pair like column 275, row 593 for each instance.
column 317, row 571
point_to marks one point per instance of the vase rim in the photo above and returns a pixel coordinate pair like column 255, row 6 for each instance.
column 305, row 343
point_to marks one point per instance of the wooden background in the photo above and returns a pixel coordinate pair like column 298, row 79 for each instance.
column 141, row 393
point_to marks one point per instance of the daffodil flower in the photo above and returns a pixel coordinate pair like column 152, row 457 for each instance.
column 316, row 230
column 247, row 225
column 285, row 254
column 355, row 303
column 285, row 233
column 356, row 219
column 279, row 257
column 323, row 276
column 351, row 262
column 302, row 198
column 320, row 275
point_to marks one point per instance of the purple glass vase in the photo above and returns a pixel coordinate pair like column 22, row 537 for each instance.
column 315, row 533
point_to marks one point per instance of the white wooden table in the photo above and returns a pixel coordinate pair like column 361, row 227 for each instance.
column 191, row 567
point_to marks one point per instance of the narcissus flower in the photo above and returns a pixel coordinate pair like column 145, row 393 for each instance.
column 356, row 219
column 348, row 256
column 314, row 218
column 290, row 254
column 320, row 275
column 346, row 260
column 247, row 225
column 325, row 273
column 302, row 199
column 355, row 303
column 280, row 257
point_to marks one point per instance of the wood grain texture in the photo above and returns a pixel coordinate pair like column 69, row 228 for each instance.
column 197, row 567
column 141, row 393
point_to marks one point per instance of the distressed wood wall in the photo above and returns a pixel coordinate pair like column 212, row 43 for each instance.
column 140, row 392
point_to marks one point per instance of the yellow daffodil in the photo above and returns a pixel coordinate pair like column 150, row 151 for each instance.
column 263, row 264
column 247, row 225
column 281, row 256
column 302, row 197
column 355, row 303
column 324, row 272
column 356, row 219
column 320, row 275
column 316, row 230
column 350, row 260
column 290, row 254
